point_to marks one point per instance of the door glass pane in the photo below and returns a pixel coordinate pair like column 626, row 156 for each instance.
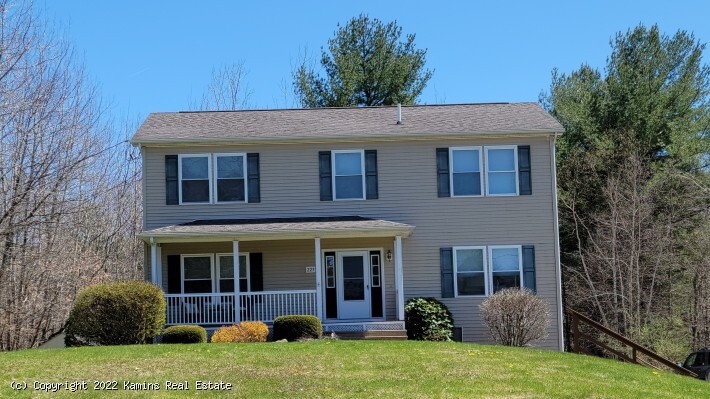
column 195, row 168
column 197, row 268
column 466, row 161
column 230, row 167
column 469, row 260
column 348, row 163
column 501, row 160
column 353, row 278
column 505, row 259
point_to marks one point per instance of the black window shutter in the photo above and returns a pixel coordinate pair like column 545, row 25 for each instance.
column 447, row 272
column 529, row 267
column 174, row 274
column 253, row 177
column 256, row 271
column 371, row 174
column 524, row 174
column 171, row 180
column 442, row 172
column 326, row 182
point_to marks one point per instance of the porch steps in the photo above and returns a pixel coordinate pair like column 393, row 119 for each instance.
column 389, row 335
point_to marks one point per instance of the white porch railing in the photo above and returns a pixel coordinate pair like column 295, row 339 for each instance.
column 218, row 308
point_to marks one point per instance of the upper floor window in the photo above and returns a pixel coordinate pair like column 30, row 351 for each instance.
column 230, row 177
column 501, row 168
column 348, row 174
column 466, row 166
column 194, row 175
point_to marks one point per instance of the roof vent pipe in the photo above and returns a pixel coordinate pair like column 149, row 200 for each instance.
column 399, row 113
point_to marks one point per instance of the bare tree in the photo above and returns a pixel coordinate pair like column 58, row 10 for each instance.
column 69, row 187
column 227, row 89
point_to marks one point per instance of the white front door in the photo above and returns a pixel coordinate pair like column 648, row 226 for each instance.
column 353, row 285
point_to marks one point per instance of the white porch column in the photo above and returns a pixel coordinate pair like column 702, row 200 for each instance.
column 237, row 301
column 153, row 261
column 319, row 287
column 399, row 277
column 159, row 267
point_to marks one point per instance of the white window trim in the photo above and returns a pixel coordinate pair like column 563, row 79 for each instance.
column 515, row 170
column 247, row 265
column 209, row 177
column 215, row 176
column 480, row 169
column 520, row 262
column 182, row 269
column 362, row 174
column 485, row 271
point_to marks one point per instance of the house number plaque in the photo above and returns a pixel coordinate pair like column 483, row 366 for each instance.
column 310, row 269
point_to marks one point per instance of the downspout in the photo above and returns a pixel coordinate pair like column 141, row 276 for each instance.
column 558, row 267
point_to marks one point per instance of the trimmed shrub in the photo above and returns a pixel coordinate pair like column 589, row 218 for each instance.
column 427, row 319
column 515, row 317
column 246, row 331
column 185, row 334
column 116, row 313
column 297, row 327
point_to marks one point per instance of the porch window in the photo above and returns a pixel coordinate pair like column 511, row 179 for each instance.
column 506, row 267
column 226, row 273
column 466, row 166
column 194, row 175
column 349, row 174
column 501, row 168
column 196, row 274
column 229, row 177
column 471, row 271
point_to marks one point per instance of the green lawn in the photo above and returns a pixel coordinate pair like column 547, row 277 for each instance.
column 344, row 369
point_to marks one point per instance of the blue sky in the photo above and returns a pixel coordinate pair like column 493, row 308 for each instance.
column 152, row 56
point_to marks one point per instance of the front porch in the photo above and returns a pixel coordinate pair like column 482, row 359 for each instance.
column 346, row 271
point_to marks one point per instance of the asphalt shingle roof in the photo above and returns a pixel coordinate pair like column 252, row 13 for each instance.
column 343, row 123
column 270, row 226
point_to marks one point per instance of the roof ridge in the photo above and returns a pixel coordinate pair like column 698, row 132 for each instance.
column 335, row 108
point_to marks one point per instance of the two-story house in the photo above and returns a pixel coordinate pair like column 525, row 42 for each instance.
column 345, row 213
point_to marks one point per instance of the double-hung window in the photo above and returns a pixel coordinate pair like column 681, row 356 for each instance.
column 197, row 274
column 194, row 173
column 471, row 271
column 348, row 174
column 486, row 270
column 225, row 273
column 230, row 182
column 466, row 165
column 506, row 267
column 501, row 170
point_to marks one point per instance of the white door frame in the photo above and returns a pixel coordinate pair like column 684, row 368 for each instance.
column 382, row 277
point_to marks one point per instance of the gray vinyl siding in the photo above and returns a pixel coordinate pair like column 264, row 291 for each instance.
column 407, row 193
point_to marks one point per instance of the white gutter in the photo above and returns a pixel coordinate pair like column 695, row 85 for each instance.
column 558, row 267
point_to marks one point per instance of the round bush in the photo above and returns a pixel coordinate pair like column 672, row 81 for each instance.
column 297, row 327
column 117, row 313
column 246, row 331
column 427, row 319
column 185, row 334
column 515, row 317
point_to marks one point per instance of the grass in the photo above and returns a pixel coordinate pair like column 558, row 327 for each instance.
column 344, row 369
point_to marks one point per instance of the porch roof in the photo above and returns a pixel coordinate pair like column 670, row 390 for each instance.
column 277, row 229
